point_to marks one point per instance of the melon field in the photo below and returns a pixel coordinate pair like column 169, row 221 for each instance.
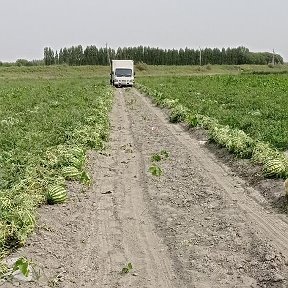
column 258, row 105
column 247, row 114
column 45, row 127
column 142, row 200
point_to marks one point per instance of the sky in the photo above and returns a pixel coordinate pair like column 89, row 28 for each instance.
column 27, row 26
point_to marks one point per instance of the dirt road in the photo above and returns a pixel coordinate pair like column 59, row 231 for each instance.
column 196, row 225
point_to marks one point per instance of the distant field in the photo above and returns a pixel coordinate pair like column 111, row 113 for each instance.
column 53, row 72
column 257, row 104
column 64, row 71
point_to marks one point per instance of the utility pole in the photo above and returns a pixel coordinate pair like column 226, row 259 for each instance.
column 108, row 56
column 273, row 58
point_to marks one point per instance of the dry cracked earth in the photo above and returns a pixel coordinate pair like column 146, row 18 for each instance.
column 198, row 224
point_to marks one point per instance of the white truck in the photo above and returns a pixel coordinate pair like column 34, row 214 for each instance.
column 122, row 73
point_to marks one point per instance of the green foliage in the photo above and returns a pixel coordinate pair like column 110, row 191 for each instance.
column 49, row 58
column 205, row 122
column 93, row 55
column 192, row 120
column 46, row 127
column 22, row 264
column 156, row 158
column 255, row 104
column 169, row 103
column 155, row 170
column 85, row 178
column 162, row 155
column 178, row 113
column 141, row 66
column 127, row 268
column 252, row 111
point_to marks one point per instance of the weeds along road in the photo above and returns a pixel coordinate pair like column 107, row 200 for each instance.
column 195, row 225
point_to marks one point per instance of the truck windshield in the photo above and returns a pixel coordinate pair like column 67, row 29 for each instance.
column 122, row 72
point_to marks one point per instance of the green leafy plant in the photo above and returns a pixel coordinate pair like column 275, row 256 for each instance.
column 178, row 113
column 127, row 268
column 192, row 120
column 163, row 154
column 22, row 264
column 85, row 178
column 155, row 170
column 156, row 158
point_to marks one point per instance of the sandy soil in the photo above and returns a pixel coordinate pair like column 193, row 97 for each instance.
column 196, row 225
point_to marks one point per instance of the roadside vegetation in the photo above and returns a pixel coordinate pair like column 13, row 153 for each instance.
column 247, row 114
column 46, row 127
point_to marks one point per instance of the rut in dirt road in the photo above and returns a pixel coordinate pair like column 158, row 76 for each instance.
column 195, row 226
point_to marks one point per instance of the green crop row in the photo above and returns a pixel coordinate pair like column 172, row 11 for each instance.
column 45, row 126
column 234, row 139
column 256, row 104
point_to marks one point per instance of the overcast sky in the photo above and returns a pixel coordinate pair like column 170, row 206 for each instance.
column 27, row 26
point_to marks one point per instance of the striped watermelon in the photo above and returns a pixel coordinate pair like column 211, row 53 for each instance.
column 70, row 172
column 274, row 167
column 56, row 195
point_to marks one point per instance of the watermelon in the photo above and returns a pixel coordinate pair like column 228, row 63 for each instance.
column 70, row 172
column 274, row 167
column 56, row 195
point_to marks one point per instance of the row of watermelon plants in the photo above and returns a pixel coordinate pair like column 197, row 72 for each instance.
column 256, row 104
column 45, row 130
column 274, row 162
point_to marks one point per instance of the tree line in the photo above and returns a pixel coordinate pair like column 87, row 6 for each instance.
column 92, row 55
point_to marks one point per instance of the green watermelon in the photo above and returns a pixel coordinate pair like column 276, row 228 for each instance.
column 70, row 172
column 275, row 167
column 56, row 195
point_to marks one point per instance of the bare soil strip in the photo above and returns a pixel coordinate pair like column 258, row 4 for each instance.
column 197, row 225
